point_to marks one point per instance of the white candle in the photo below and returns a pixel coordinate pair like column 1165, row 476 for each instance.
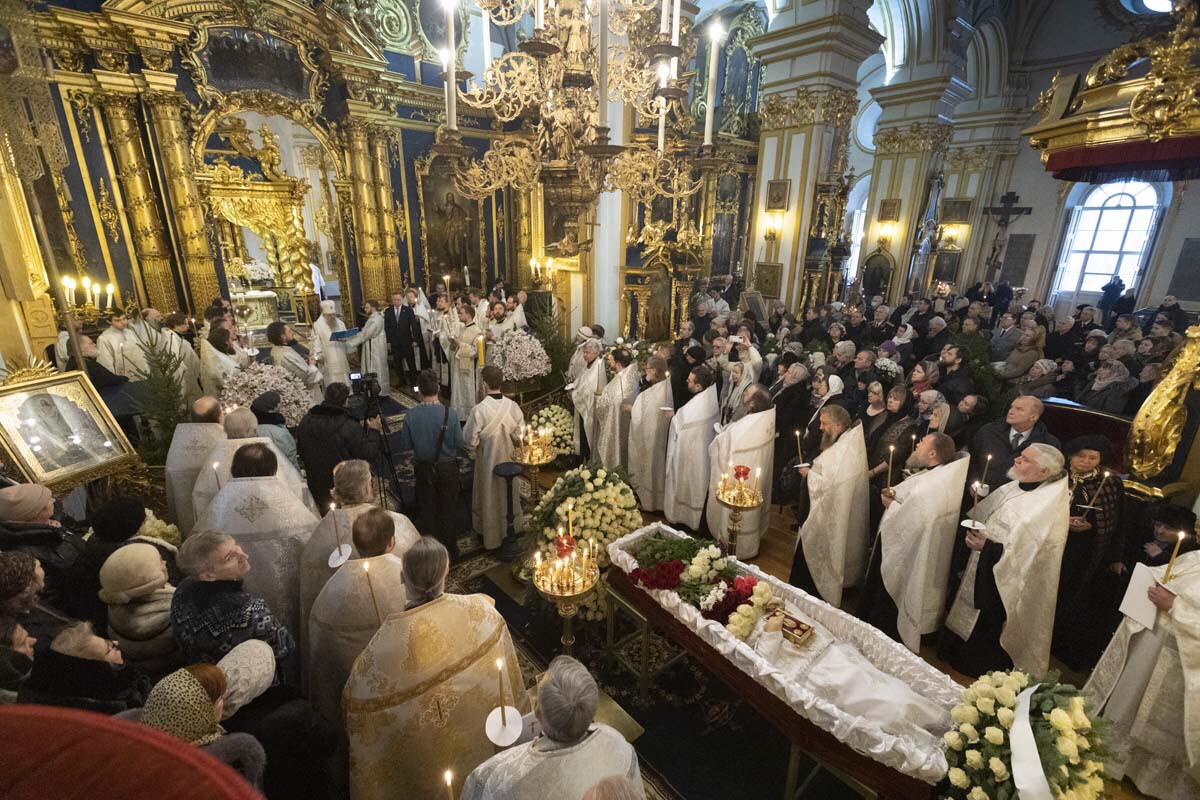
column 487, row 42
column 539, row 15
column 664, row 20
column 109, row 291
column 675, row 24
column 662, row 123
column 602, row 116
column 715, row 33
column 451, row 68
column 466, row 276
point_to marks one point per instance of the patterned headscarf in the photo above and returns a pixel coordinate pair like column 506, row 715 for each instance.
column 16, row 571
column 179, row 705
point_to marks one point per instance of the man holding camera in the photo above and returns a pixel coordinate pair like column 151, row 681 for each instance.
column 328, row 435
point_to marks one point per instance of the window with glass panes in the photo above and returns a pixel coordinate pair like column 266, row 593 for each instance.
column 1109, row 234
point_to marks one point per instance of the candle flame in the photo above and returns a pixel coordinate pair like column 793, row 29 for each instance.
column 500, row 663
column 1181, row 535
column 216, row 465
column 366, row 566
column 449, row 776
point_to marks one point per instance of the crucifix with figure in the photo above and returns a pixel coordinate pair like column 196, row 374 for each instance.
column 1004, row 214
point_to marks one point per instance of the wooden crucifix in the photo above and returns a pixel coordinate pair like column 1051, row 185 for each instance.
column 1004, row 214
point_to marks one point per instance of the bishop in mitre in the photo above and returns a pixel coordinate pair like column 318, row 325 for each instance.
column 749, row 442
column 1003, row 609
column 584, row 395
column 187, row 456
column 419, row 693
column 241, row 427
column 350, row 609
column 905, row 591
column 1147, row 685
column 373, row 344
column 831, row 552
column 491, row 432
column 330, row 355
column 648, row 432
column 692, row 431
column 613, row 408
column 269, row 523
column 464, row 371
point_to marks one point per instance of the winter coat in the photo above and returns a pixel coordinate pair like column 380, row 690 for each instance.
column 63, row 680
column 1111, row 398
column 327, row 436
column 57, row 548
column 1017, row 364
column 85, row 575
column 143, row 628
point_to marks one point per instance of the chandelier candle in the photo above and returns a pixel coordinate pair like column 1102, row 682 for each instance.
column 664, row 21
column 487, row 43
column 451, row 61
column 539, row 15
column 602, row 109
column 715, row 33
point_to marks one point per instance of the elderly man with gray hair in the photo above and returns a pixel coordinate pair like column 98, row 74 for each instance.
column 569, row 752
column 1003, row 609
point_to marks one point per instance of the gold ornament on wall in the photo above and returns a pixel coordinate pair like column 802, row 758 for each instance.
column 920, row 137
column 108, row 212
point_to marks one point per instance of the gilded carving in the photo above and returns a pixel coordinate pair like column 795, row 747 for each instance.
column 78, row 255
column 81, row 103
column 68, row 60
column 112, row 60
column 968, row 157
column 1158, row 427
column 808, row 106
column 1164, row 107
column 108, row 212
column 160, row 60
column 920, row 137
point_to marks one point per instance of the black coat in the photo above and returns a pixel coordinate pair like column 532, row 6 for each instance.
column 62, row 680
column 1178, row 317
column 1063, row 345
column 403, row 328
column 957, row 384
column 56, row 548
column 992, row 439
column 327, row 436
column 877, row 334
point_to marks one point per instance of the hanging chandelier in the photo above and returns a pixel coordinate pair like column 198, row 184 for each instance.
column 558, row 85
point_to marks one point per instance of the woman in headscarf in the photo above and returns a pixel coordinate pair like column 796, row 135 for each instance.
column 1021, row 357
column 1040, row 380
column 924, row 376
column 1108, row 389
column 741, row 376
column 826, row 391
column 133, row 583
column 904, row 346
column 188, row 703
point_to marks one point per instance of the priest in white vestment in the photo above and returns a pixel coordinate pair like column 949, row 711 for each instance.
column 577, row 364
column 353, row 495
column 1003, row 609
column 1147, row 685
column 692, row 431
column 464, row 375
column 420, row 691
column 187, row 456
column 330, row 355
column 372, row 339
column 167, row 337
column 916, row 540
column 491, row 432
column 570, row 752
column 585, row 393
column 500, row 322
column 444, row 328
column 831, row 551
column 749, row 442
column 120, row 349
column 613, row 408
column 649, row 429
column 241, row 427
column 281, row 336
column 269, row 523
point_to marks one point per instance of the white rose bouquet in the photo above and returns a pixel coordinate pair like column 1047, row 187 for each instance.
column 247, row 383
column 559, row 420
column 159, row 529
column 519, row 355
column 1070, row 745
column 889, row 370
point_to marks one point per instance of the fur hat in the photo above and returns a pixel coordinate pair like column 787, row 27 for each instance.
column 133, row 571
column 266, row 402
column 16, row 571
column 1093, row 441
column 119, row 519
column 23, row 502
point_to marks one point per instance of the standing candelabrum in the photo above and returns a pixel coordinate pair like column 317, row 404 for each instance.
column 534, row 451
column 566, row 582
column 92, row 308
column 736, row 493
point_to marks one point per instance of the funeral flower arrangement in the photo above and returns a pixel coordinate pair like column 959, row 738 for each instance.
column 1069, row 744
column 592, row 504
column 258, row 272
column 160, row 529
column 519, row 355
column 247, row 383
column 889, row 370
column 702, row 576
column 559, row 420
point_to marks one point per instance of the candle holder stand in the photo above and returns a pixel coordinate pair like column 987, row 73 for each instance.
column 567, row 598
column 738, row 496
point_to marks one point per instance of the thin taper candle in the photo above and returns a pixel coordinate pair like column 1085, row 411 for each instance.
column 710, row 108
column 503, row 712
column 337, row 530
column 1175, row 552
column 891, row 452
column 1096, row 493
column 217, row 474
column 371, row 588
column 449, row 778
column 602, row 111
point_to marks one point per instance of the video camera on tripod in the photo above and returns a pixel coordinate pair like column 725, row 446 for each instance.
column 364, row 397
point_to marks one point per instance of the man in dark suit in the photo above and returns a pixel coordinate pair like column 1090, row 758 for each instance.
column 1003, row 439
column 403, row 330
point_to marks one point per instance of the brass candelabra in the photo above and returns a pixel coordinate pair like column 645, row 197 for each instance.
column 566, row 582
column 735, row 492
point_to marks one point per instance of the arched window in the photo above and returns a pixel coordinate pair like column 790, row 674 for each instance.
column 1109, row 235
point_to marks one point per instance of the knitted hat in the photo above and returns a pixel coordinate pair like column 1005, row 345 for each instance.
column 16, row 573
column 179, row 705
column 133, row 571
column 1048, row 366
column 23, row 502
column 119, row 519
column 249, row 671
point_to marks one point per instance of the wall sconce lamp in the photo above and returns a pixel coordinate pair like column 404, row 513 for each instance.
column 886, row 229
column 952, row 231
column 773, row 225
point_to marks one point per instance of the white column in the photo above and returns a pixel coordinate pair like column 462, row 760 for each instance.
column 609, row 243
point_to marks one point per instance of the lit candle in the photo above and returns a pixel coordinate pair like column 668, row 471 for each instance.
column 602, row 111
column 448, row 775
column 466, row 276
column 664, row 19
column 96, row 294
column 539, row 15
column 975, row 501
column 715, row 33
column 446, row 281
column 891, row 452
column 500, row 675
column 1175, row 552
column 371, row 588
column 799, row 455
column 987, row 465
column 217, row 474
column 108, row 290
column 480, row 350
column 87, row 288
column 1096, row 493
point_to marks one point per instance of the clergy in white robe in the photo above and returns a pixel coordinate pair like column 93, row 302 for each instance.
column 1003, row 610
column 188, row 372
column 648, row 432
column 500, row 322
column 220, row 355
column 188, row 454
column 330, row 355
column 465, row 349
column 613, row 409
column 430, row 669
column 691, row 432
column 517, row 311
column 570, row 752
column 62, row 350
column 444, row 328
column 585, row 393
column 280, row 335
column 490, row 433
column 831, row 551
column 917, row 535
column 749, row 442
column 241, row 427
column 577, row 364
column 372, row 338
column 1147, row 685
column 270, row 524
column 120, row 350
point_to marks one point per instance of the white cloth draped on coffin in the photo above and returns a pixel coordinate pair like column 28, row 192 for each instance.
column 210, row 477
column 749, row 442
column 917, row 534
column 373, row 357
column 687, row 458
column 648, row 432
column 271, row 525
column 612, row 420
column 298, row 368
column 330, row 355
column 588, row 388
column 834, row 536
column 464, row 370
column 853, row 681
column 191, row 445
column 490, row 430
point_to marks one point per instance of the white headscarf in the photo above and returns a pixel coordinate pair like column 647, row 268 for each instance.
column 906, row 338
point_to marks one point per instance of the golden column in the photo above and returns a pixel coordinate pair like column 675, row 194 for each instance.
column 370, row 262
column 389, row 253
column 125, row 141
column 171, row 133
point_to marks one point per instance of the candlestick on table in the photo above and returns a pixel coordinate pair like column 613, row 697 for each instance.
column 371, row 588
column 1175, row 552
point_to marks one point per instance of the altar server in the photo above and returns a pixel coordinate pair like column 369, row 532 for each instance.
column 613, row 408
column 373, row 340
column 687, row 450
column 464, row 377
column 648, row 432
column 120, row 349
column 444, row 328
column 577, row 364
column 169, row 340
column 1147, row 686
column 281, row 336
column 1003, row 609
column 330, row 355
column 432, row 669
column 269, row 523
column 187, row 456
column 585, row 393
column 490, row 433
column 749, row 442
column 910, row 563
column 831, row 552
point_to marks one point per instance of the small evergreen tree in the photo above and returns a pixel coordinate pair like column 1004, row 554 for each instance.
column 161, row 401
